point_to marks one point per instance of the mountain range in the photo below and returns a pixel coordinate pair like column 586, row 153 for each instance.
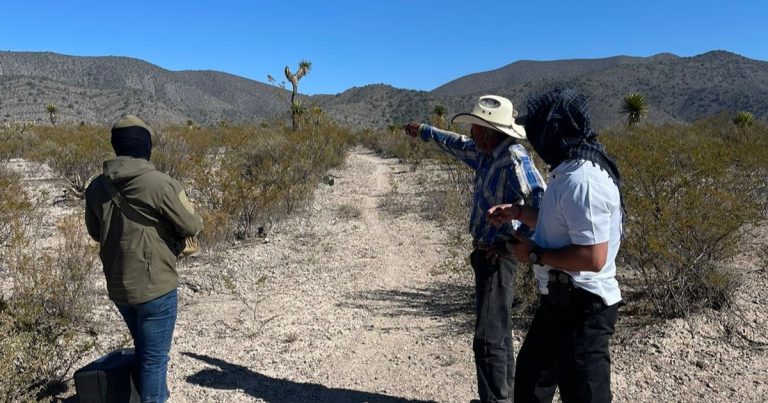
column 97, row 89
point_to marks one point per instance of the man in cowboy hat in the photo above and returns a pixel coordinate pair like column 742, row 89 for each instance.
column 578, row 233
column 504, row 173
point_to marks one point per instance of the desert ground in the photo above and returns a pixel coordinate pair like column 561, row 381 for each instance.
column 356, row 299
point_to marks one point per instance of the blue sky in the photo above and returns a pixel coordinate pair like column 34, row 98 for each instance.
column 408, row 44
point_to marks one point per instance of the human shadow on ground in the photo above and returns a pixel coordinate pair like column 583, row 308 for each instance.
column 273, row 390
column 452, row 303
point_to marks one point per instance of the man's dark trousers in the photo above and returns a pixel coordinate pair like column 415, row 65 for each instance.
column 492, row 344
column 567, row 345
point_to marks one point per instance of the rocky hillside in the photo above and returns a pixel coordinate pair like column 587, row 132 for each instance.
column 526, row 71
column 96, row 89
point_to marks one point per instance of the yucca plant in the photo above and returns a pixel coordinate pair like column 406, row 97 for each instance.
column 635, row 107
column 304, row 67
column 439, row 113
column 298, row 108
column 744, row 119
column 51, row 109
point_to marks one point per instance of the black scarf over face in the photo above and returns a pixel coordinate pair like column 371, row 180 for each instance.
column 558, row 127
column 133, row 141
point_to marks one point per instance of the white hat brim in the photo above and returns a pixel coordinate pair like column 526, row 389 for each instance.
column 514, row 130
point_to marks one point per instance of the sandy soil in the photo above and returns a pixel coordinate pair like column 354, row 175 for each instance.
column 347, row 302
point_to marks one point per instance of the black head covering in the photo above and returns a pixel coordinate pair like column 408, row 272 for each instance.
column 131, row 137
column 558, row 127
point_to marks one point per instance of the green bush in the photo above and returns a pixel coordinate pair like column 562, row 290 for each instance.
column 692, row 193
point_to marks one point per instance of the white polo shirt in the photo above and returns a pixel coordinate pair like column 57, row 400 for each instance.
column 581, row 206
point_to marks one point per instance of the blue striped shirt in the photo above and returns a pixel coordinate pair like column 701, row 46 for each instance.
column 507, row 175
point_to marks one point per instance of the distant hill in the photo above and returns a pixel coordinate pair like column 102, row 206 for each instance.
column 97, row 89
column 526, row 71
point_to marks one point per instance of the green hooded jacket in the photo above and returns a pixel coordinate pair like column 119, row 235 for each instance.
column 138, row 254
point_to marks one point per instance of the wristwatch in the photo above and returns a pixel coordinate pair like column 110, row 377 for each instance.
column 534, row 256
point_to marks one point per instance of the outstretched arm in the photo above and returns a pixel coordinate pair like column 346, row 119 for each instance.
column 460, row 147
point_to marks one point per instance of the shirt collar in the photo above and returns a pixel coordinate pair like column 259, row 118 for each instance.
column 502, row 147
column 565, row 166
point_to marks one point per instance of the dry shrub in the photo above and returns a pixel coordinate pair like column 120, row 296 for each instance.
column 690, row 202
column 453, row 201
column 45, row 313
column 246, row 178
column 16, row 209
column 348, row 212
column 395, row 143
column 526, row 295
column 311, row 153
column 74, row 153
column 16, row 141
column 253, row 182
column 171, row 152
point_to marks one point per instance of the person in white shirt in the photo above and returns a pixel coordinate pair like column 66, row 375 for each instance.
column 578, row 229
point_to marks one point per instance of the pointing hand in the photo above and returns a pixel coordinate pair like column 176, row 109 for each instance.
column 412, row 129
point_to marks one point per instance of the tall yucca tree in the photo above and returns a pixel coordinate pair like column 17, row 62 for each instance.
column 744, row 119
column 635, row 107
column 51, row 109
column 304, row 67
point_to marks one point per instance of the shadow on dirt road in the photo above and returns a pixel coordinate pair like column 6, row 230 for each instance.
column 273, row 390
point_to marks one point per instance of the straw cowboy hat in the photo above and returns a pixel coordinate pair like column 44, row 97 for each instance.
column 494, row 112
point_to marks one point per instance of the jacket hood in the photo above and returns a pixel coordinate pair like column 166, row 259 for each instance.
column 124, row 168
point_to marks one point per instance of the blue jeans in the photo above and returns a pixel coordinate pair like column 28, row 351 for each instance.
column 151, row 325
column 492, row 343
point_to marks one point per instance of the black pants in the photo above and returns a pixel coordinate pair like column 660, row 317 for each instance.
column 567, row 345
column 492, row 344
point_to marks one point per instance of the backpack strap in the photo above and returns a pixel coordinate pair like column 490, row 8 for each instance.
column 122, row 203
column 176, row 246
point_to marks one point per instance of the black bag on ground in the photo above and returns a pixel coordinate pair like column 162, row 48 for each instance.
column 108, row 379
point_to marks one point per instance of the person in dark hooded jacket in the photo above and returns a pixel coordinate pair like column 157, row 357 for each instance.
column 140, row 217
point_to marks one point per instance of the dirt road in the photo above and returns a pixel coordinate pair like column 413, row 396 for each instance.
column 345, row 304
